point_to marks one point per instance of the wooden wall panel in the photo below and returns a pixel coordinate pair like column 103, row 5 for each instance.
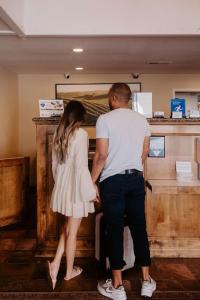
column 14, row 181
column 173, row 218
column 176, row 148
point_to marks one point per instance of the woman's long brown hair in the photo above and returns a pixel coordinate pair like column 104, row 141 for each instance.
column 73, row 116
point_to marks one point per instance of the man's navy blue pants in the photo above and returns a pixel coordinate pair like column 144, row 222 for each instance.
column 123, row 195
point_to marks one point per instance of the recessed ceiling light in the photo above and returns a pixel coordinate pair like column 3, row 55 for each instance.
column 79, row 68
column 78, row 50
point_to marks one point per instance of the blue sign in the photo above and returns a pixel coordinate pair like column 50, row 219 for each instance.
column 178, row 105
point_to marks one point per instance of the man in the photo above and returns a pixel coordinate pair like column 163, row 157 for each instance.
column 122, row 145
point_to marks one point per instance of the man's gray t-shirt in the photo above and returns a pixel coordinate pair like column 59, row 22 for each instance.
column 126, row 131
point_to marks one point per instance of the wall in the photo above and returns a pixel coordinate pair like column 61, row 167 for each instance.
column 8, row 113
column 34, row 87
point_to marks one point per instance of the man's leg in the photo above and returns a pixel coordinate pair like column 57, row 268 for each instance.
column 135, row 210
column 113, row 208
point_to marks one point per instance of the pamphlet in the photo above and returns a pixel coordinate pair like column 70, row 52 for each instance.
column 184, row 170
column 51, row 108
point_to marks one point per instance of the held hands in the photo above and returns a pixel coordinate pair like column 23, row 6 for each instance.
column 97, row 199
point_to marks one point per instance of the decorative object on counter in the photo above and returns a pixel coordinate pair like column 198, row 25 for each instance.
column 177, row 115
column 142, row 103
column 194, row 113
column 158, row 114
column 177, row 108
column 184, row 171
column 94, row 97
column 157, row 146
column 51, row 108
column 198, row 156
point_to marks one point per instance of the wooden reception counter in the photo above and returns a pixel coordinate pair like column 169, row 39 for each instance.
column 172, row 207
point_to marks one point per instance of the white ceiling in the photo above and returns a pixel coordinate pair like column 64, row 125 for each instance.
column 3, row 25
column 5, row 29
column 102, row 54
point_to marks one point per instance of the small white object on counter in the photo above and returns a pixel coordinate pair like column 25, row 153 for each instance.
column 194, row 113
column 51, row 107
column 177, row 114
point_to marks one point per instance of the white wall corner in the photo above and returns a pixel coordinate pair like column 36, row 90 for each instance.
column 12, row 12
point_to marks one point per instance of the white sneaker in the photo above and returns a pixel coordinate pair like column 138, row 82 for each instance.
column 148, row 287
column 106, row 289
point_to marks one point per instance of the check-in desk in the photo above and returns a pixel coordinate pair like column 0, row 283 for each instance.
column 172, row 207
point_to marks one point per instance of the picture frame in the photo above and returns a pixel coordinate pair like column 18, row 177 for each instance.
column 157, row 146
column 92, row 95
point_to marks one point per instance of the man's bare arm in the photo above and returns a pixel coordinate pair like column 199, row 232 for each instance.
column 145, row 151
column 100, row 157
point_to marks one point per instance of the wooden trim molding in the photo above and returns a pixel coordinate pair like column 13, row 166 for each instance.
column 164, row 121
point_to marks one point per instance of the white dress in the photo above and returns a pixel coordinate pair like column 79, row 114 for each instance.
column 74, row 190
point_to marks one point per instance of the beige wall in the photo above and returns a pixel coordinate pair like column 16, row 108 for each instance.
column 34, row 87
column 8, row 113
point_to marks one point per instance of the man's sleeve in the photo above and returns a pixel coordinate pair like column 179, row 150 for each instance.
column 101, row 129
column 147, row 129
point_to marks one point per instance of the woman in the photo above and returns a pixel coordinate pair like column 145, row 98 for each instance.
column 73, row 192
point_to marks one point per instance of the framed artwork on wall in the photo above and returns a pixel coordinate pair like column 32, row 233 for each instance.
column 94, row 96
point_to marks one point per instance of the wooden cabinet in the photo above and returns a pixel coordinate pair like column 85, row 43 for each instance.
column 14, row 181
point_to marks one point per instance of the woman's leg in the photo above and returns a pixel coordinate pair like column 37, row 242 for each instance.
column 55, row 264
column 70, row 246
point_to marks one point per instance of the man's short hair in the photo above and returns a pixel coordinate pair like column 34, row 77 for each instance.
column 120, row 89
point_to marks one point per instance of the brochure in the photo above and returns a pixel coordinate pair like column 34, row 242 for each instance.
column 51, row 107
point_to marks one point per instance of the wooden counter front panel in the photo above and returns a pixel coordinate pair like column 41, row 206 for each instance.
column 49, row 223
column 173, row 220
column 172, row 211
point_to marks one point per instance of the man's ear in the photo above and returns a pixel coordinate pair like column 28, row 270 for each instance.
column 115, row 98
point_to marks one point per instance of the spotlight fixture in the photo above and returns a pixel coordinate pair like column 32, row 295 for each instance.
column 135, row 75
column 77, row 50
column 79, row 68
column 67, row 75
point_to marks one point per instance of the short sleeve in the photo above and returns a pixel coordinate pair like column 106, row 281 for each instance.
column 147, row 129
column 101, row 129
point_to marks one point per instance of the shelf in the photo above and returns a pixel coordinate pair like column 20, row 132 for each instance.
column 166, row 186
column 152, row 121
